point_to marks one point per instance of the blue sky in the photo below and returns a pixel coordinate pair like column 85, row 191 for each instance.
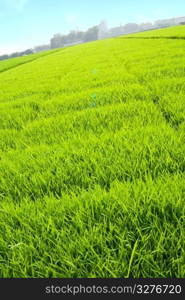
column 27, row 23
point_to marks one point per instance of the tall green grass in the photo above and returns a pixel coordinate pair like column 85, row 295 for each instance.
column 92, row 160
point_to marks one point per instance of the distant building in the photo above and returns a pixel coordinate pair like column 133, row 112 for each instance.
column 146, row 26
column 73, row 44
column 170, row 22
column 102, row 30
column 116, row 31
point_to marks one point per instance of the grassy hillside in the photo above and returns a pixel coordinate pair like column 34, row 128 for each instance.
column 14, row 62
column 92, row 161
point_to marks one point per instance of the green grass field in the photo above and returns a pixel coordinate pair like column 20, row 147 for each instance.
column 92, row 159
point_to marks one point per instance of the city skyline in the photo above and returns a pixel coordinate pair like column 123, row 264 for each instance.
column 28, row 23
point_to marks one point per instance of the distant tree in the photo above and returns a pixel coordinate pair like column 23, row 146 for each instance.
column 80, row 35
column 56, row 41
column 3, row 57
column 116, row 31
column 131, row 27
column 102, row 30
column 145, row 26
column 162, row 23
column 15, row 54
column 41, row 48
column 27, row 52
column 91, row 34
column 71, row 37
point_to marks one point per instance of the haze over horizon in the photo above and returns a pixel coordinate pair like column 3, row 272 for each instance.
column 28, row 23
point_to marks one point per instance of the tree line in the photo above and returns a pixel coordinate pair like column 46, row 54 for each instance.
column 94, row 33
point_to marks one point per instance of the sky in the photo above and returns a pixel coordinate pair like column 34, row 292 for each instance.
column 28, row 23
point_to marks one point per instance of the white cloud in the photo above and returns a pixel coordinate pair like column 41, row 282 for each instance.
column 71, row 18
column 18, row 5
